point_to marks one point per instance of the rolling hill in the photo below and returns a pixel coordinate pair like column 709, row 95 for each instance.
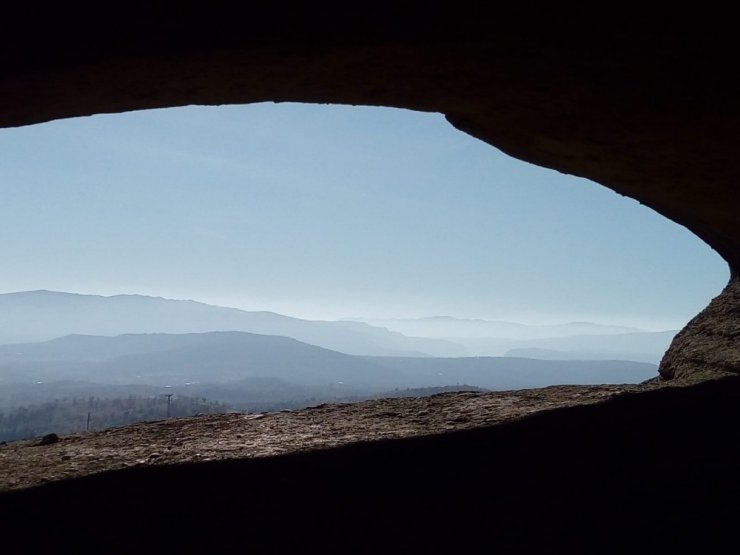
column 33, row 316
column 226, row 357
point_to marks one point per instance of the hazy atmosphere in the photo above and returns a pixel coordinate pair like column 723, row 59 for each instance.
column 270, row 257
column 330, row 212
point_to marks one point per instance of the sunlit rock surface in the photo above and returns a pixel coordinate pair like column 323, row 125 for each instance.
column 709, row 345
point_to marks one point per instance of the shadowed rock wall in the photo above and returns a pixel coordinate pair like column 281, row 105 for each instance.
column 647, row 108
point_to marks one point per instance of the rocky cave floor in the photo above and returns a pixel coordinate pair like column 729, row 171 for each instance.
column 239, row 436
column 565, row 469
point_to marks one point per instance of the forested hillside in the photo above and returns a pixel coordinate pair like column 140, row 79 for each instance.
column 66, row 416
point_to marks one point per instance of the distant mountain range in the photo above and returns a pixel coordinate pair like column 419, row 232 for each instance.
column 43, row 315
column 449, row 327
column 645, row 346
column 176, row 359
column 35, row 316
column 571, row 341
column 228, row 357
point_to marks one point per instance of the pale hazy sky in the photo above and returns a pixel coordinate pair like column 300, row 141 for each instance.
column 330, row 211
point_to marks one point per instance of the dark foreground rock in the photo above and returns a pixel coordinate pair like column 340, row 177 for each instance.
column 607, row 477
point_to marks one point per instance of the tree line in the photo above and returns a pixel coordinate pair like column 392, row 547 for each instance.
column 71, row 415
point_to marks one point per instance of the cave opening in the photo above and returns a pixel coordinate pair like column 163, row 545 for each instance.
column 383, row 235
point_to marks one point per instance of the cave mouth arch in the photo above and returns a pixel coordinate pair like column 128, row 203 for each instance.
column 647, row 109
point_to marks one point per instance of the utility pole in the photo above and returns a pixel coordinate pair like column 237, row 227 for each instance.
column 169, row 402
column 89, row 412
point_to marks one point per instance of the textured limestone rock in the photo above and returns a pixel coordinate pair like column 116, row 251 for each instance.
column 646, row 107
column 709, row 345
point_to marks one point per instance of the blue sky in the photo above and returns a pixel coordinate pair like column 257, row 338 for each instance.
column 331, row 211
